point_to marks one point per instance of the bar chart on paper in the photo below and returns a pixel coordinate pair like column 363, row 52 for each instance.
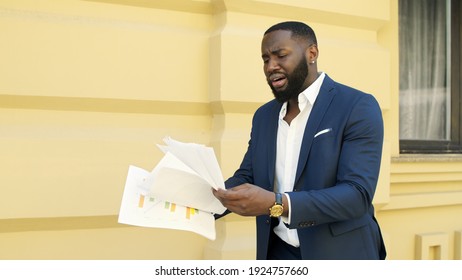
column 148, row 205
column 141, row 210
column 189, row 212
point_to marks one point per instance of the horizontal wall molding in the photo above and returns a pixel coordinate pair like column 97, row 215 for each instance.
column 426, row 177
column 199, row 7
column 420, row 200
column 222, row 107
column 426, row 168
column 426, row 158
column 341, row 15
column 59, row 223
column 93, row 21
column 104, row 105
column 112, row 105
column 409, row 171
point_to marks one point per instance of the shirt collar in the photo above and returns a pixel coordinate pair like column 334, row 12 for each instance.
column 309, row 94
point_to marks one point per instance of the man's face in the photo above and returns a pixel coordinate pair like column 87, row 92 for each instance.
column 285, row 65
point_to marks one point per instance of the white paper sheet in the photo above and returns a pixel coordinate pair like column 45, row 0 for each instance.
column 186, row 175
column 171, row 180
column 199, row 158
column 147, row 211
column 177, row 193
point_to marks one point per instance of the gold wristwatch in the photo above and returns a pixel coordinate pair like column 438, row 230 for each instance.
column 278, row 208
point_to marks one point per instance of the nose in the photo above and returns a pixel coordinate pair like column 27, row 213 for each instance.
column 272, row 65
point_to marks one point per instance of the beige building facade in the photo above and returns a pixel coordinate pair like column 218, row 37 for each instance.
column 88, row 88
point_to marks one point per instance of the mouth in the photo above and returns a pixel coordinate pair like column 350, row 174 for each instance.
column 277, row 80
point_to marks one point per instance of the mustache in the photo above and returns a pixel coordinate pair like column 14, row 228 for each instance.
column 276, row 76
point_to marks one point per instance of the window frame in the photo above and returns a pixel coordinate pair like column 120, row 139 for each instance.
column 454, row 145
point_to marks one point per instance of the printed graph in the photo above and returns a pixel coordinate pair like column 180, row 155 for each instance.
column 147, row 203
column 189, row 211
column 143, row 210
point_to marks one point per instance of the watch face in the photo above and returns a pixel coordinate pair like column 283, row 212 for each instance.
column 276, row 210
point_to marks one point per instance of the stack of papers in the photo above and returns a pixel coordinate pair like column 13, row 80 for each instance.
column 177, row 193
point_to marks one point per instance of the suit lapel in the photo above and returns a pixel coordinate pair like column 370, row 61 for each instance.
column 273, row 123
column 326, row 93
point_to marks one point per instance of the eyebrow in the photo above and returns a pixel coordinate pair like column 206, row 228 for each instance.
column 276, row 51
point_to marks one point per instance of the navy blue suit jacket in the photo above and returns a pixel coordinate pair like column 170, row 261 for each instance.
column 336, row 175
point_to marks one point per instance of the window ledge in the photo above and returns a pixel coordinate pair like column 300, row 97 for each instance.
column 427, row 158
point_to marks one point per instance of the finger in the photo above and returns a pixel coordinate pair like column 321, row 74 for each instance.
column 219, row 192
column 222, row 195
column 231, row 195
column 238, row 188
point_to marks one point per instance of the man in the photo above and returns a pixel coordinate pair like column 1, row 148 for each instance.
column 311, row 168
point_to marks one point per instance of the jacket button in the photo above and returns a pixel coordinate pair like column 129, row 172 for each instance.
column 267, row 222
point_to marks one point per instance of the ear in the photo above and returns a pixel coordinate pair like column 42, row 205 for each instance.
column 312, row 53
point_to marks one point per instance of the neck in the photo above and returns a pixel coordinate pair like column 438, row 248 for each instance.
column 292, row 110
column 312, row 78
column 292, row 104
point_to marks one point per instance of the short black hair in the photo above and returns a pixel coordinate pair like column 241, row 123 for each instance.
column 298, row 29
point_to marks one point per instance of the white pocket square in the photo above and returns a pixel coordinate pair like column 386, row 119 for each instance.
column 323, row 132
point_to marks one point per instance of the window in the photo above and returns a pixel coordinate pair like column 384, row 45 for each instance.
column 430, row 76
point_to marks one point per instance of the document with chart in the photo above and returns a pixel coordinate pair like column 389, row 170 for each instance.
column 177, row 193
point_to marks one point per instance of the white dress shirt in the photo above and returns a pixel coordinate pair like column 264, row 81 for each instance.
column 289, row 142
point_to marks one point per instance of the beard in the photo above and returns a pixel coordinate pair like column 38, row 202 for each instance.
column 295, row 83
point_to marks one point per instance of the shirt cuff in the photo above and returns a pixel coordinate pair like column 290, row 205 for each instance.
column 286, row 220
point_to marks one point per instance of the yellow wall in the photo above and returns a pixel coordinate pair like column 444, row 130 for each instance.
column 89, row 87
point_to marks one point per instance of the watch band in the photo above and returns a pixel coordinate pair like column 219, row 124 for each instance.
column 278, row 208
column 279, row 198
